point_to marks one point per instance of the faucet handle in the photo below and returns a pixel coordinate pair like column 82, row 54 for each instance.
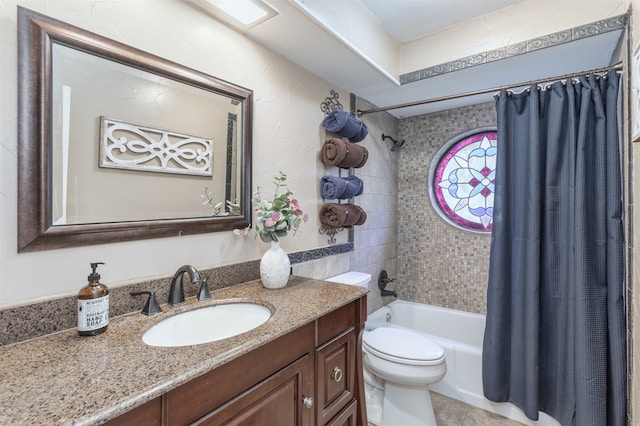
column 203, row 293
column 151, row 307
column 383, row 280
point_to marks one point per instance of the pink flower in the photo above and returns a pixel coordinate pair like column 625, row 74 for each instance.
column 298, row 212
column 305, row 218
column 276, row 216
column 294, row 203
column 269, row 223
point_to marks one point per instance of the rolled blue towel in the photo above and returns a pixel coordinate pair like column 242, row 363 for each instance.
column 343, row 124
column 340, row 188
column 363, row 134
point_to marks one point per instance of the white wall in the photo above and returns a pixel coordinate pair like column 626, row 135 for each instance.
column 356, row 25
column 286, row 135
column 522, row 21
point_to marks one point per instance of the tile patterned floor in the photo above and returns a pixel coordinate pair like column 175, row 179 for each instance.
column 451, row 412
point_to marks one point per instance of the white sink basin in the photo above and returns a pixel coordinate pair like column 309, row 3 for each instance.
column 206, row 324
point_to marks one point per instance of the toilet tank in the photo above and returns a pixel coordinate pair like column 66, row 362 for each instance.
column 359, row 279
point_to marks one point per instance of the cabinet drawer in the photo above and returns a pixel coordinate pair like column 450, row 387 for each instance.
column 335, row 379
column 148, row 414
column 347, row 417
column 337, row 322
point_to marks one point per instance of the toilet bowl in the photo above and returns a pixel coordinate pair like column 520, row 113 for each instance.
column 399, row 366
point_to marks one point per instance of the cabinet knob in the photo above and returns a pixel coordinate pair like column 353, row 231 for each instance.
column 308, row 401
column 337, row 374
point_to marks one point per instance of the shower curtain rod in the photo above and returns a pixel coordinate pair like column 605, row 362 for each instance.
column 493, row 89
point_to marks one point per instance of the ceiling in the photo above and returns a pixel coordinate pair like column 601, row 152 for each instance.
column 408, row 20
column 322, row 52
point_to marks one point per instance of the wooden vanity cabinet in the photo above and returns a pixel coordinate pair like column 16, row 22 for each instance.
column 311, row 376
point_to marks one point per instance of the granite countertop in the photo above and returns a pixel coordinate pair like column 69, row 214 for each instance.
column 63, row 378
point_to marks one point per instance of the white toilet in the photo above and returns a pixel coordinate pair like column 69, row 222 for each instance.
column 399, row 366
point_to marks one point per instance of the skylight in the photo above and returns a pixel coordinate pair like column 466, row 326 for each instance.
column 244, row 14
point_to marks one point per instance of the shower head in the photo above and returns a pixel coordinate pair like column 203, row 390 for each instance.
column 396, row 144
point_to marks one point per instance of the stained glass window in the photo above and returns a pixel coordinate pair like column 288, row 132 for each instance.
column 462, row 178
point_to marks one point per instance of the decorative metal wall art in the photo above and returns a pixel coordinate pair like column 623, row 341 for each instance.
column 330, row 103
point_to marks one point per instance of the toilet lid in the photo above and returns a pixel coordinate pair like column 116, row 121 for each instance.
column 402, row 344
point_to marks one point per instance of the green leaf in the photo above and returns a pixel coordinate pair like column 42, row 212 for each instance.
column 265, row 237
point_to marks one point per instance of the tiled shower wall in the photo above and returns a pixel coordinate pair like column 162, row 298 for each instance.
column 438, row 264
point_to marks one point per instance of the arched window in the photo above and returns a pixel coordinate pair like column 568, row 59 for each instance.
column 461, row 180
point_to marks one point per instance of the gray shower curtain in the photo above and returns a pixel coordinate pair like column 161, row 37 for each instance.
column 555, row 332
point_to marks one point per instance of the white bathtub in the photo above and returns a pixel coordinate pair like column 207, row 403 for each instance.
column 460, row 334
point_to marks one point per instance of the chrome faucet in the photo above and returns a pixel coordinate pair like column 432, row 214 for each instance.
column 176, row 292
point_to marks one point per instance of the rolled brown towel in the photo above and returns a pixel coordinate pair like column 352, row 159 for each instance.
column 337, row 152
column 334, row 215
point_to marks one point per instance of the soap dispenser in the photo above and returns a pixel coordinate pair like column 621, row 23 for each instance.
column 93, row 305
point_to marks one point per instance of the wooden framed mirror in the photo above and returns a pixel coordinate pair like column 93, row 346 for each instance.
column 180, row 145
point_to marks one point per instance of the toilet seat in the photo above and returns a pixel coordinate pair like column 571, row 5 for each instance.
column 402, row 346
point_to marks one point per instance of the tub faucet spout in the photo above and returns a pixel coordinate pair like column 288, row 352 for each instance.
column 384, row 292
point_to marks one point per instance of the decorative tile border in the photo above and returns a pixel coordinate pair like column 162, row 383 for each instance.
column 549, row 40
column 319, row 253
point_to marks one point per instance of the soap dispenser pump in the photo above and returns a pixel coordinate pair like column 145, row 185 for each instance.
column 93, row 305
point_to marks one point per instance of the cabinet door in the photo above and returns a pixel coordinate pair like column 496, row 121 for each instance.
column 335, row 380
column 285, row 398
column 202, row 395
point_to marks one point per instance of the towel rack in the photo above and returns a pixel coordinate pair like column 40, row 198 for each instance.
column 329, row 104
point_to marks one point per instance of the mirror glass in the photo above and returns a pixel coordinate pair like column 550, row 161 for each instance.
column 137, row 146
column 117, row 144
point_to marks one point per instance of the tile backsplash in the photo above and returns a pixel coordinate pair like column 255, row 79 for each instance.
column 37, row 319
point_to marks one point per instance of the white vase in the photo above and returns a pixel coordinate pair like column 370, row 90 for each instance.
column 275, row 267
